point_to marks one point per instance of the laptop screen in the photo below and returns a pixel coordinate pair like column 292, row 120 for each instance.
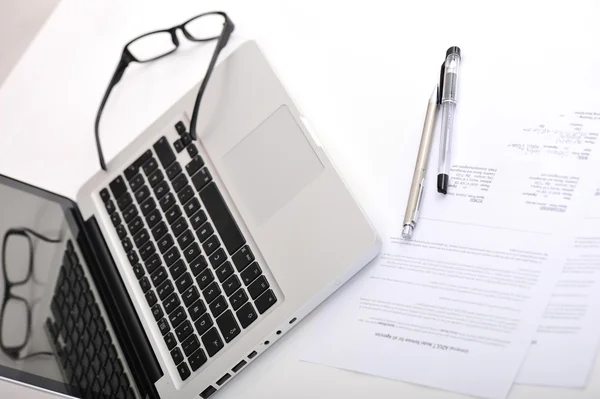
column 33, row 228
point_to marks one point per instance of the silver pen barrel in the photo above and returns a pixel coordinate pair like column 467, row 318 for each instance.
column 416, row 189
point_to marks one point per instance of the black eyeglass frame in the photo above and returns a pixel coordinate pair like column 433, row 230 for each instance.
column 127, row 58
column 13, row 351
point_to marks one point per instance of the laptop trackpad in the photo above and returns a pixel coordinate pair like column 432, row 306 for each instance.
column 271, row 165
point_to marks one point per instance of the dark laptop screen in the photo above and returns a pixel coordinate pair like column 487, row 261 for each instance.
column 33, row 227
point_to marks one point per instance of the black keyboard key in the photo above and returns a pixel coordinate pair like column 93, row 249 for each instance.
column 133, row 258
column 124, row 201
column 136, row 182
column 184, row 330
column 238, row 299
column 165, row 289
column 118, row 187
column 147, row 250
column 179, row 182
column 192, row 150
column 126, row 243
column 139, row 271
column 203, row 323
column 173, row 214
column 153, row 218
column 211, row 245
column 197, row 309
column 173, row 171
column 246, row 315
column 179, row 226
column 155, row 178
column 190, row 345
column 211, row 292
column 130, row 213
column 184, row 371
column 158, row 276
column 178, row 145
column 190, row 295
column 242, row 258
column 222, row 218
column 184, row 283
column 159, row 230
column 193, row 205
column 167, row 202
column 194, row 165
column 121, row 232
column 141, row 238
column 185, row 239
column 171, row 303
column 177, row 269
column 224, row 271
column 198, row 265
column 142, row 194
column 192, row 252
column 170, row 341
column 205, row 231
column 198, row 219
column 218, row 306
column 104, row 195
column 164, row 152
column 180, row 127
column 259, row 286
column 172, row 256
column 265, row 301
column 231, row 285
column 144, row 284
column 186, row 139
column 212, row 342
column 133, row 169
column 186, row 194
column 163, row 326
column 217, row 258
column 201, row 179
column 197, row 359
column 165, row 243
column 150, row 166
column 250, row 273
column 110, row 206
column 161, row 189
column 135, row 225
column 148, row 206
column 177, row 356
column 151, row 298
column 177, row 316
column 205, row 278
column 228, row 326
column 152, row 263
column 157, row 312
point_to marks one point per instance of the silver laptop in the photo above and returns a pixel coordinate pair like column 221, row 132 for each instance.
column 179, row 266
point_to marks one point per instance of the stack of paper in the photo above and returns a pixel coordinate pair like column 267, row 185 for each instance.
column 509, row 257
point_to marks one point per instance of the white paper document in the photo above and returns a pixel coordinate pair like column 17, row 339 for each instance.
column 458, row 305
column 566, row 343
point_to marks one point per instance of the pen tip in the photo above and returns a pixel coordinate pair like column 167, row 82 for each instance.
column 407, row 231
column 442, row 183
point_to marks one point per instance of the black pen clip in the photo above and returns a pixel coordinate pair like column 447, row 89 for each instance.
column 441, row 87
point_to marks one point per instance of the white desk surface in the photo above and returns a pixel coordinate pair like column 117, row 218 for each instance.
column 361, row 71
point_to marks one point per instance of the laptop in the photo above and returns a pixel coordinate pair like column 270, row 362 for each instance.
column 179, row 266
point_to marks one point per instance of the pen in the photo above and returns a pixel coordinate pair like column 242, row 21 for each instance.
column 448, row 104
column 416, row 189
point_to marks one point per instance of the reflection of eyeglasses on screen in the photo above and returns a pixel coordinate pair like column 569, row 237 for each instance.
column 18, row 248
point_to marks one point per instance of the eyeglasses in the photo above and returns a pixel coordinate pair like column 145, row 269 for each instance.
column 18, row 249
column 154, row 45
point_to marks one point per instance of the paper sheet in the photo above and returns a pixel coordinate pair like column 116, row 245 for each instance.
column 458, row 306
column 566, row 343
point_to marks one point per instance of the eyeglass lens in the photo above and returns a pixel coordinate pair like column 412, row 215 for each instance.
column 13, row 330
column 17, row 258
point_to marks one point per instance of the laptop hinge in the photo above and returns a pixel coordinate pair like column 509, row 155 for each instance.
column 123, row 317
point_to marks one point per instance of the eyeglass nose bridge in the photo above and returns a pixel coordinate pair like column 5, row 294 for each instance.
column 173, row 32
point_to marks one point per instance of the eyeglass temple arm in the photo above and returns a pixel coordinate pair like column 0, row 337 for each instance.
column 126, row 58
column 223, row 39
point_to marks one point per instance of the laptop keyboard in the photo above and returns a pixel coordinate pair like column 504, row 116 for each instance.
column 78, row 332
column 199, row 276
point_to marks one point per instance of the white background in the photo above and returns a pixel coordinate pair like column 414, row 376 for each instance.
column 361, row 71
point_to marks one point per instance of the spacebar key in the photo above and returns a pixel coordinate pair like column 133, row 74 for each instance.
column 219, row 212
